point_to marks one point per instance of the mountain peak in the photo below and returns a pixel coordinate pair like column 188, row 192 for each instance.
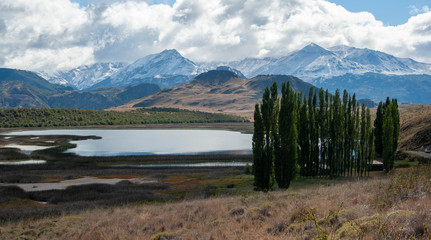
column 215, row 77
column 171, row 52
column 227, row 68
column 312, row 47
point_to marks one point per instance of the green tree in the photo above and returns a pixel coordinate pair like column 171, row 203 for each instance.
column 322, row 126
column 266, row 110
column 396, row 119
column 269, row 111
column 285, row 164
column 345, row 139
column 378, row 132
column 314, row 133
column 304, row 140
column 370, row 146
column 258, row 149
column 388, row 139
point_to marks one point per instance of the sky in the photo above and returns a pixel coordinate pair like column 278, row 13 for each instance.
column 390, row 12
column 50, row 36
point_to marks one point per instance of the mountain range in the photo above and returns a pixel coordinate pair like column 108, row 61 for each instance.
column 314, row 62
column 84, row 77
column 19, row 88
column 372, row 74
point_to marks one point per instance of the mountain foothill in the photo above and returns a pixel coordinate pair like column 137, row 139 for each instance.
column 167, row 79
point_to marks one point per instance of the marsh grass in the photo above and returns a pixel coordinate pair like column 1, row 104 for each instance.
column 16, row 204
column 12, row 154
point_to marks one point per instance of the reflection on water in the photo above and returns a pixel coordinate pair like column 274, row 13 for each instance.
column 24, row 162
column 120, row 142
column 28, row 148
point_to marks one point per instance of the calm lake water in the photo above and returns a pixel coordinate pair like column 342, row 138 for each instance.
column 121, row 142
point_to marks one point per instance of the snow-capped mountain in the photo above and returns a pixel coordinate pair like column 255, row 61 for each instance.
column 84, row 76
column 380, row 62
column 340, row 67
column 314, row 62
column 165, row 69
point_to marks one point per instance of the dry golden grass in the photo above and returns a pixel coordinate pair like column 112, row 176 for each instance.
column 415, row 129
column 380, row 207
column 196, row 97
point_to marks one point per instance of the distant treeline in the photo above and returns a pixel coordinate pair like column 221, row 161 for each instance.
column 47, row 117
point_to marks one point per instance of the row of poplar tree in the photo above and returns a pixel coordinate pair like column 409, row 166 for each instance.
column 387, row 131
column 319, row 135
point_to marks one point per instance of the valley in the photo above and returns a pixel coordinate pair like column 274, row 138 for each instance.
column 208, row 120
column 51, row 178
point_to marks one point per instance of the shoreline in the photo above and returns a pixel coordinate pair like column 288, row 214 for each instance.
column 244, row 127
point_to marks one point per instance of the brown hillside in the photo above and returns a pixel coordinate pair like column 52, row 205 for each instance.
column 217, row 91
column 415, row 129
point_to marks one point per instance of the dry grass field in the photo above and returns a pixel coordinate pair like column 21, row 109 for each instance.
column 415, row 128
column 377, row 207
column 394, row 206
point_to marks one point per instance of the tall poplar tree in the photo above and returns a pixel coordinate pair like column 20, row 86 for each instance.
column 363, row 141
column 304, row 139
column 285, row 164
column 396, row 119
column 267, row 109
column 258, row 149
column 378, row 132
column 352, row 135
column 314, row 133
column 345, row 139
column 388, row 139
column 357, row 134
column 322, row 129
column 370, row 142
column 334, row 138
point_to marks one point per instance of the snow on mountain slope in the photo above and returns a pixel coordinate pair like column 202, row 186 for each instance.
column 84, row 76
column 314, row 62
column 166, row 69
column 380, row 62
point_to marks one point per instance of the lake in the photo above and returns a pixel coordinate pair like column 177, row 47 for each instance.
column 123, row 142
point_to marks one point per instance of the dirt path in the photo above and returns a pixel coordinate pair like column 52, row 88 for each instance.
column 421, row 154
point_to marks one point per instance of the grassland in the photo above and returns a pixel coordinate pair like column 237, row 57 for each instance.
column 217, row 203
column 377, row 207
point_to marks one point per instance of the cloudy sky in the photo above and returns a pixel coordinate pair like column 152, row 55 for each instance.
column 51, row 35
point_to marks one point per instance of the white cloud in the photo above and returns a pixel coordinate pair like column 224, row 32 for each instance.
column 53, row 35
column 49, row 60
column 415, row 10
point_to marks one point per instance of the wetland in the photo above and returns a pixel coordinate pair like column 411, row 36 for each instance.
column 114, row 176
